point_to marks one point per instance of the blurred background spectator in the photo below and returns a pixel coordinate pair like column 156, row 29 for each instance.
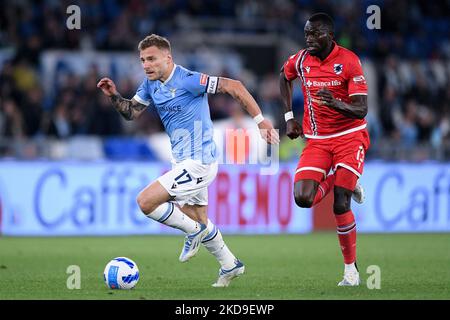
column 48, row 74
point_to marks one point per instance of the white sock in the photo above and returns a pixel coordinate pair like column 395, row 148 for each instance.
column 214, row 243
column 350, row 267
column 170, row 215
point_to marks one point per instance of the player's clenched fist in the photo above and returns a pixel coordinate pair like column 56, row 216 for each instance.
column 108, row 87
column 293, row 129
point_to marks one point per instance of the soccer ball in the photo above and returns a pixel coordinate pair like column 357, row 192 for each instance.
column 121, row 273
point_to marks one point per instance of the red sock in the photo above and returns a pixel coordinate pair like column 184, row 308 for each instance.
column 324, row 188
column 346, row 229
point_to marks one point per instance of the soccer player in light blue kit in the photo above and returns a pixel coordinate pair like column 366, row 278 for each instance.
column 179, row 198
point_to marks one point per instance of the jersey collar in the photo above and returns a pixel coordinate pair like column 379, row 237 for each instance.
column 171, row 74
column 333, row 53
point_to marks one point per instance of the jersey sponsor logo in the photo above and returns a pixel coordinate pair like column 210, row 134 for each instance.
column 169, row 108
column 332, row 83
column 359, row 79
column 203, row 79
column 338, row 68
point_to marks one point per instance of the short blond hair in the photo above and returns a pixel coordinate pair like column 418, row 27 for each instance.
column 154, row 40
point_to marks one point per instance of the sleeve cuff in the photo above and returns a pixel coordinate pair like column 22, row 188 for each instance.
column 141, row 101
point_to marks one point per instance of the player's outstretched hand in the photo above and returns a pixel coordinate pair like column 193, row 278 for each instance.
column 294, row 129
column 268, row 132
column 108, row 87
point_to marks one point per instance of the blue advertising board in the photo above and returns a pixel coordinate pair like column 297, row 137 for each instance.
column 99, row 198
column 404, row 197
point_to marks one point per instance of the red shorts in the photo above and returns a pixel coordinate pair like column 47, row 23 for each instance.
column 343, row 152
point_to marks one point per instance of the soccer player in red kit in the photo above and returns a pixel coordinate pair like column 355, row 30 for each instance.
column 335, row 105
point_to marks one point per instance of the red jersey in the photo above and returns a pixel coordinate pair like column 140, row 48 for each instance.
column 342, row 74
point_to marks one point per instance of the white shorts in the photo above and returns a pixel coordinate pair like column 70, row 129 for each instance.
column 188, row 181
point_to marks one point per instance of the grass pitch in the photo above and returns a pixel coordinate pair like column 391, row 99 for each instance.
column 413, row 266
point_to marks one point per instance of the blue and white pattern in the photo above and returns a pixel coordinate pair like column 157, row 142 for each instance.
column 192, row 243
column 211, row 235
column 182, row 104
column 121, row 273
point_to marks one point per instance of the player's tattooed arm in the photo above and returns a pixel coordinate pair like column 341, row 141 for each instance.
column 356, row 109
column 129, row 109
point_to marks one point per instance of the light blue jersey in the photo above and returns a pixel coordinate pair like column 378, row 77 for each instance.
column 182, row 104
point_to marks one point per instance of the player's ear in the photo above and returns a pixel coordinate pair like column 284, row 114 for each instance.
column 169, row 58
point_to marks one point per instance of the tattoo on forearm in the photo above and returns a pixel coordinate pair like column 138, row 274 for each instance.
column 126, row 107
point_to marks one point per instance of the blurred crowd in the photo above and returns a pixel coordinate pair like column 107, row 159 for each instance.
column 414, row 102
column 415, row 29
column 411, row 53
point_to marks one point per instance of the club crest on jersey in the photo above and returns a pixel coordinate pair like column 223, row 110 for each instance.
column 338, row 68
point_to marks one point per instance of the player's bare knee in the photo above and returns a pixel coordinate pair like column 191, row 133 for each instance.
column 340, row 208
column 304, row 193
column 342, row 200
column 145, row 204
column 304, row 200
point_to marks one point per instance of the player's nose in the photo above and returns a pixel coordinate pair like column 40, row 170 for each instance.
column 310, row 40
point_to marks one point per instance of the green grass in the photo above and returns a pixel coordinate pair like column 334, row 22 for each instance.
column 413, row 266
